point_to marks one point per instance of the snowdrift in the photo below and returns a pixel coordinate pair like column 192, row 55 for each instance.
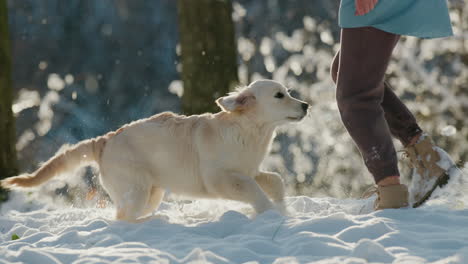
column 317, row 230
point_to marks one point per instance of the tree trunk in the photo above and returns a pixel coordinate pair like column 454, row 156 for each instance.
column 208, row 53
column 7, row 123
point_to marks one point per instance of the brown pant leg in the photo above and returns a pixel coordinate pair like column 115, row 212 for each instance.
column 402, row 123
column 363, row 60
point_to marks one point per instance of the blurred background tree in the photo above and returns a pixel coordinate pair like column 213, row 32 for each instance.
column 7, row 122
column 208, row 53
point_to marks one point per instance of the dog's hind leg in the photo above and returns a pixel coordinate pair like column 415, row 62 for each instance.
column 155, row 198
column 128, row 185
column 131, row 204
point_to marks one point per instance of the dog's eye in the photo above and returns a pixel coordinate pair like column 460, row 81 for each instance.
column 279, row 95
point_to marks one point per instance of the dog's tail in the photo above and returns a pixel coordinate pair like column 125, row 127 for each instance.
column 66, row 159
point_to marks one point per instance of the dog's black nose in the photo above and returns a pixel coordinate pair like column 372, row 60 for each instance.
column 305, row 106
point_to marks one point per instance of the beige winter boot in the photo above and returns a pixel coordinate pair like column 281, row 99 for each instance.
column 391, row 196
column 430, row 169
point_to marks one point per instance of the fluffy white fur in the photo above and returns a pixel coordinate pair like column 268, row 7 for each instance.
column 210, row 155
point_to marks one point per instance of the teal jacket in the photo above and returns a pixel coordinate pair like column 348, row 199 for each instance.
column 419, row 18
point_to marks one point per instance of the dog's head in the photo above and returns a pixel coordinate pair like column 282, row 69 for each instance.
column 266, row 101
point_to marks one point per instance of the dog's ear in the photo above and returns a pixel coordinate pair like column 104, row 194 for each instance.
column 236, row 101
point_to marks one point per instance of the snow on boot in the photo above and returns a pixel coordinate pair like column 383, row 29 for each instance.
column 430, row 169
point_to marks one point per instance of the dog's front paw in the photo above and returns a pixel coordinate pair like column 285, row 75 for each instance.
column 282, row 208
column 265, row 206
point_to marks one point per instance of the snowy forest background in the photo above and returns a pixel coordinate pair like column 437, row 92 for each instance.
column 82, row 68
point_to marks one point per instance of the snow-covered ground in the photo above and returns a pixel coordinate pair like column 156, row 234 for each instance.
column 322, row 230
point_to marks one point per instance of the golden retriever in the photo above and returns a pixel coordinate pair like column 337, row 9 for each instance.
column 208, row 156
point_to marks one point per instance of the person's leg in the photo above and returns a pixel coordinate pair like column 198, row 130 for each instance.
column 401, row 121
column 428, row 173
column 363, row 60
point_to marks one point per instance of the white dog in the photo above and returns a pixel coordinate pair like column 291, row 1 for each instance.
column 210, row 155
